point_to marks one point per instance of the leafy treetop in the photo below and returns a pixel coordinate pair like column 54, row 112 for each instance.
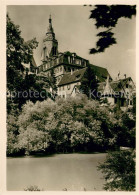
column 107, row 16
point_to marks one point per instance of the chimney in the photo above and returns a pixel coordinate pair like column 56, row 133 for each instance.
column 125, row 76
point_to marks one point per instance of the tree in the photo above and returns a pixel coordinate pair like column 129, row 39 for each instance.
column 119, row 167
column 119, row 171
column 53, row 85
column 32, row 140
column 18, row 52
column 107, row 16
column 20, row 84
column 12, row 133
column 89, row 83
column 66, row 125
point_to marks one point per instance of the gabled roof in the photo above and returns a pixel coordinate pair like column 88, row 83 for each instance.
column 116, row 86
column 124, row 81
column 71, row 78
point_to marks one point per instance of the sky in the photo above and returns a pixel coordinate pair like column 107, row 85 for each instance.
column 75, row 32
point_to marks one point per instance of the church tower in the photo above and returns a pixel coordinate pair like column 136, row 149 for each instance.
column 50, row 44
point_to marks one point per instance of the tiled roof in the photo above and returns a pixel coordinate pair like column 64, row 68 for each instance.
column 100, row 72
column 71, row 78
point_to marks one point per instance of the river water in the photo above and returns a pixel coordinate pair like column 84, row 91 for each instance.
column 57, row 172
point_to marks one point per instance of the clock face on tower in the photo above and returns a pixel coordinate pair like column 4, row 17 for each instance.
column 49, row 37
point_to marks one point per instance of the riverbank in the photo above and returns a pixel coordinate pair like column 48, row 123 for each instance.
column 52, row 154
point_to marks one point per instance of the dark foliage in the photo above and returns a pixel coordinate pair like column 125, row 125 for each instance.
column 89, row 83
column 107, row 17
column 119, row 171
column 20, row 85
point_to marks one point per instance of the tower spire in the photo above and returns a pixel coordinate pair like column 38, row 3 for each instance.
column 50, row 20
column 50, row 44
column 50, row 28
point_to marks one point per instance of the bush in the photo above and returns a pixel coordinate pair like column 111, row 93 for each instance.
column 33, row 188
column 119, row 171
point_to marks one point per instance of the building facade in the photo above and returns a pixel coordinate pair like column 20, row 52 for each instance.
column 69, row 69
column 121, row 92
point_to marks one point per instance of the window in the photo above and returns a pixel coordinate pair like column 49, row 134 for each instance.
column 115, row 100
column 54, row 51
column 122, row 102
column 63, row 96
column 126, row 85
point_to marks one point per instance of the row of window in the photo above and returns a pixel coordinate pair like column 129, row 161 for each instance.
column 62, row 88
column 73, row 60
column 123, row 102
column 63, row 96
column 67, row 69
column 58, row 69
column 59, row 60
column 51, row 64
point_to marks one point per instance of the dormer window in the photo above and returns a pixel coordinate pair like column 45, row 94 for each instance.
column 78, row 76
